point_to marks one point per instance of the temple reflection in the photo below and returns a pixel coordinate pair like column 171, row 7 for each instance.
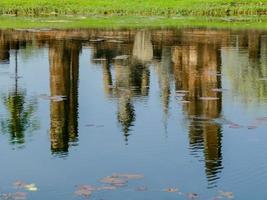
column 64, row 75
column 186, row 63
column 197, row 69
column 131, row 77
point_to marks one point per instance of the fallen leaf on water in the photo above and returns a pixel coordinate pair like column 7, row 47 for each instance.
column 84, row 190
column 171, row 190
column 97, row 40
column 252, row 127
column 114, row 181
column 208, row 98
column 228, row 195
column 182, row 91
column 184, row 101
column 115, row 41
column 106, row 188
column 58, row 98
column 128, row 176
column 192, row 195
column 218, row 90
column 235, row 126
column 122, row 57
column 89, row 125
column 99, row 59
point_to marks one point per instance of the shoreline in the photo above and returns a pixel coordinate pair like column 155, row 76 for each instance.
column 132, row 22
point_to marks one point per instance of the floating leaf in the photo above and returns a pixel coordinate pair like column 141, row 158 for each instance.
column 97, row 40
column 58, row 98
column 106, row 188
column 208, row 98
column 115, row 41
column 182, row 91
column 218, row 90
column 171, row 190
column 184, row 102
column 252, row 127
column 128, row 176
column 228, row 195
column 99, row 59
column 84, row 190
column 115, row 181
column 122, row 57
column 192, row 195
column 235, row 126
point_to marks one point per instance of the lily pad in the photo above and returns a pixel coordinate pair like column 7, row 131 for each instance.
column 84, row 190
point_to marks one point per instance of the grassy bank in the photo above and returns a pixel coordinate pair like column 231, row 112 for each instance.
column 133, row 7
column 115, row 22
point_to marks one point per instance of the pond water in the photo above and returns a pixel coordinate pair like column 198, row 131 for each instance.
column 175, row 113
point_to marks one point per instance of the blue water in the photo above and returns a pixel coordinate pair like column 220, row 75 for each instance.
column 185, row 108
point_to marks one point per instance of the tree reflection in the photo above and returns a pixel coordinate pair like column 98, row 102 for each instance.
column 20, row 112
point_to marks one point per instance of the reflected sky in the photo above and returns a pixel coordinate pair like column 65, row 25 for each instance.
column 184, row 107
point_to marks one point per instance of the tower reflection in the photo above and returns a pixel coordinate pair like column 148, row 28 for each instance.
column 197, row 70
column 64, row 76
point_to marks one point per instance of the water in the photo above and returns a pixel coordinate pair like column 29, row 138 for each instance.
column 185, row 108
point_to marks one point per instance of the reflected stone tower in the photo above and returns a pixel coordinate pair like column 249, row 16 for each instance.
column 64, row 75
column 197, row 70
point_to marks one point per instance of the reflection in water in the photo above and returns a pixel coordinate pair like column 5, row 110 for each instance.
column 190, row 59
column 64, row 74
column 20, row 111
column 197, row 70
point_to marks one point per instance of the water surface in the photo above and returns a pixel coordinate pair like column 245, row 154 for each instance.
column 186, row 108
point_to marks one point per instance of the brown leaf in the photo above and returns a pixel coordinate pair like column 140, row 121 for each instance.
column 114, row 180
column 171, row 190
column 84, row 190
column 128, row 176
column 192, row 195
column 228, row 195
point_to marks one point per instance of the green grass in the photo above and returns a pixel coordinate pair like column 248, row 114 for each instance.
column 133, row 7
column 253, row 22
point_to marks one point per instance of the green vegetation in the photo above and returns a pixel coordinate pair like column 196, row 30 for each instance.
column 133, row 7
column 132, row 22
